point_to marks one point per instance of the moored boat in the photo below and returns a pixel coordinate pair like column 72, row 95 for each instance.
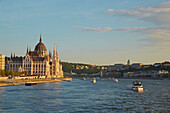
column 93, row 80
column 30, row 83
column 137, row 86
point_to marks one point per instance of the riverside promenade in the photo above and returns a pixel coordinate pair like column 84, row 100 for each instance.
column 8, row 82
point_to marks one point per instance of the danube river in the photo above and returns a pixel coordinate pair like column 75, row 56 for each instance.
column 83, row 96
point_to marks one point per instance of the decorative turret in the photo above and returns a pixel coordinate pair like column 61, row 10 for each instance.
column 57, row 55
column 30, row 49
column 40, row 39
column 50, row 54
column 27, row 51
column 11, row 54
column 54, row 53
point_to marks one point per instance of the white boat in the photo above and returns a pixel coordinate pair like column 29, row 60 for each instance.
column 116, row 80
column 93, row 80
column 84, row 78
column 137, row 86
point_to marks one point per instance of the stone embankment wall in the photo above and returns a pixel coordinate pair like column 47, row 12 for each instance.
column 3, row 78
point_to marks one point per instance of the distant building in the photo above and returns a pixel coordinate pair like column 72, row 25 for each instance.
column 116, row 67
column 149, row 73
column 137, row 65
column 127, row 74
column 37, row 62
column 2, row 62
column 166, row 64
column 77, row 67
column 146, row 66
column 129, row 62
column 157, row 64
column 86, row 67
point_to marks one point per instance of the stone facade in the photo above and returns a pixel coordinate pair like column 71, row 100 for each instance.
column 37, row 62
column 2, row 62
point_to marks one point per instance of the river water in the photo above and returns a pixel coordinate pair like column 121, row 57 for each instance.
column 82, row 96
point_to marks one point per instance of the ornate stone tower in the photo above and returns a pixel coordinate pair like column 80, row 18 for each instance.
column 56, row 66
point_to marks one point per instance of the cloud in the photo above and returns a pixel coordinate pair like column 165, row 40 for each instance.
column 130, row 29
column 158, row 15
column 157, row 37
column 104, row 29
column 127, row 13
column 99, row 29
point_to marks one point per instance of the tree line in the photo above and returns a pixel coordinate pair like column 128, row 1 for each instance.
column 70, row 68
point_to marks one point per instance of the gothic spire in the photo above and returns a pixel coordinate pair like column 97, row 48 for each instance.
column 40, row 38
column 57, row 52
column 27, row 50
column 57, row 55
column 50, row 54
column 54, row 47
column 11, row 54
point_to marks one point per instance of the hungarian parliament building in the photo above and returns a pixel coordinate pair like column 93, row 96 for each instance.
column 37, row 62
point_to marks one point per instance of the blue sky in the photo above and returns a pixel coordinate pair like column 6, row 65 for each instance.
column 88, row 31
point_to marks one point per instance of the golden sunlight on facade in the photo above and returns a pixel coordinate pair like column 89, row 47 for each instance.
column 2, row 62
column 37, row 62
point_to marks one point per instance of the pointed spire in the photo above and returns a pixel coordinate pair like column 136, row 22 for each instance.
column 54, row 47
column 40, row 38
column 27, row 50
column 57, row 52
column 30, row 49
column 54, row 53
column 50, row 53
column 11, row 54
column 57, row 55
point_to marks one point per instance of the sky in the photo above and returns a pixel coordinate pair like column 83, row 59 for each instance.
column 101, row 32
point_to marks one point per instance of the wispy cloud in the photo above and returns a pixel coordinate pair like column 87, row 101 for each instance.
column 104, row 29
column 157, row 37
column 99, row 29
column 130, row 29
column 159, row 14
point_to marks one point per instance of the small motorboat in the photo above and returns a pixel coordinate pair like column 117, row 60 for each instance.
column 83, row 78
column 93, row 80
column 137, row 86
column 116, row 80
column 30, row 83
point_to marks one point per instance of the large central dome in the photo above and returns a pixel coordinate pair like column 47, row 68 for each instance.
column 40, row 47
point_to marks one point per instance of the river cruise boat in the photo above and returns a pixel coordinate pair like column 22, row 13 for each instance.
column 93, row 80
column 137, row 86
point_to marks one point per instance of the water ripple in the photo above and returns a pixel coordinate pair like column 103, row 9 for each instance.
column 79, row 96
